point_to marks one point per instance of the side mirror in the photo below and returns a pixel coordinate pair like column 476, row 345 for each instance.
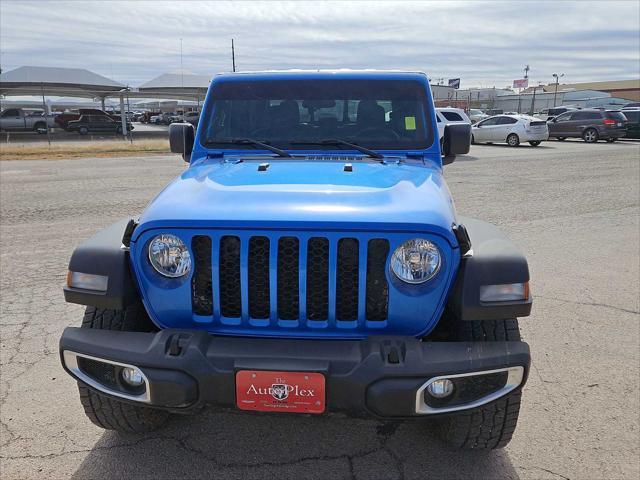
column 181, row 138
column 457, row 141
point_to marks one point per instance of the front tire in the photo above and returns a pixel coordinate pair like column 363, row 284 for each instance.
column 590, row 135
column 490, row 426
column 107, row 412
column 83, row 130
column 513, row 140
column 535, row 143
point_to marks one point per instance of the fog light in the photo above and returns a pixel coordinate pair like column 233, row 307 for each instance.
column 133, row 376
column 440, row 388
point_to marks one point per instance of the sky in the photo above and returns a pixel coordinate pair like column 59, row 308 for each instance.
column 485, row 44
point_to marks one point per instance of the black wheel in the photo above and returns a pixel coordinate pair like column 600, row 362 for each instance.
column 561, row 139
column 40, row 127
column 535, row 143
column 473, row 140
column 83, row 130
column 513, row 140
column 490, row 426
column 107, row 412
column 590, row 135
column 119, row 130
column 611, row 140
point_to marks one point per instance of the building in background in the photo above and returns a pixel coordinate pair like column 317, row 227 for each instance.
column 614, row 95
column 627, row 89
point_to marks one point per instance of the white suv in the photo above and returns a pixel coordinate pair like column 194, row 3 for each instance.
column 450, row 115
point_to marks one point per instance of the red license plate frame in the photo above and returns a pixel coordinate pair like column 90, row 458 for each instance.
column 277, row 391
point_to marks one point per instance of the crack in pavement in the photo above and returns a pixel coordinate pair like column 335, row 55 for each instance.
column 545, row 470
column 350, row 458
column 384, row 433
column 554, row 473
column 387, row 430
column 589, row 304
column 383, row 436
column 182, row 443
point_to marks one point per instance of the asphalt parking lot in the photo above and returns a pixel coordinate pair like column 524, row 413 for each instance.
column 572, row 207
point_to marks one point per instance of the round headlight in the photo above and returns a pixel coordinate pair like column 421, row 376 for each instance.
column 416, row 261
column 169, row 256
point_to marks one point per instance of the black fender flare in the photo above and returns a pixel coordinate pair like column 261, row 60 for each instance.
column 493, row 260
column 106, row 253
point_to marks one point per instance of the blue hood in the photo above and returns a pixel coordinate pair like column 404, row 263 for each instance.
column 315, row 194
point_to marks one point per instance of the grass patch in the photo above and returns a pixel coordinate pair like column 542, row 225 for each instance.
column 68, row 150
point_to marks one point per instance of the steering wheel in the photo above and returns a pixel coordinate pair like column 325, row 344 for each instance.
column 382, row 132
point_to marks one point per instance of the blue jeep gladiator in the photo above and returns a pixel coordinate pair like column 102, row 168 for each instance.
column 309, row 260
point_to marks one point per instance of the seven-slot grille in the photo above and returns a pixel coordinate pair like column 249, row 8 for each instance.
column 316, row 279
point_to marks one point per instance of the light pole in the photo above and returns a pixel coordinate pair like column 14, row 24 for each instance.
column 555, row 92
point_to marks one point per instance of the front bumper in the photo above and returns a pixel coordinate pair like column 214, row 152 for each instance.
column 381, row 376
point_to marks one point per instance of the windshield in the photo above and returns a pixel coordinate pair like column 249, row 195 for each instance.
column 300, row 114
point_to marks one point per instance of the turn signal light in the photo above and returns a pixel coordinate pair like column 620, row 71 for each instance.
column 87, row 281
column 508, row 292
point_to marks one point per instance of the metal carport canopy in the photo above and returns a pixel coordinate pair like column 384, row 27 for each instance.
column 63, row 82
column 57, row 81
column 183, row 86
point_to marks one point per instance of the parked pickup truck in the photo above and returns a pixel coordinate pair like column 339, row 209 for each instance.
column 309, row 260
column 19, row 119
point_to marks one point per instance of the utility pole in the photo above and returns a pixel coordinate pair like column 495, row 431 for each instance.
column 233, row 56
column 555, row 92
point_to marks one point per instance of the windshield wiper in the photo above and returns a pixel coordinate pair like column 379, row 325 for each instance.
column 251, row 141
column 339, row 141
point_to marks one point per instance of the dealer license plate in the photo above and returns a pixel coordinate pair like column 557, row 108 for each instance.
column 269, row 391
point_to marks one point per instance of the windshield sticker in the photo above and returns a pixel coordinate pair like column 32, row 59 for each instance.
column 409, row 123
